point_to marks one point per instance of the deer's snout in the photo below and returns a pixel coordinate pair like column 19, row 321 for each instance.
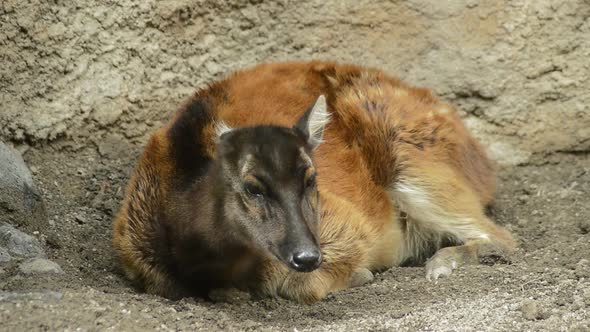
column 306, row 260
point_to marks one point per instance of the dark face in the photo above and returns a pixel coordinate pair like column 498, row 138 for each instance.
column 270, row 193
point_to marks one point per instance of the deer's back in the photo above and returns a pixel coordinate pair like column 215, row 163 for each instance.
column 377, row 123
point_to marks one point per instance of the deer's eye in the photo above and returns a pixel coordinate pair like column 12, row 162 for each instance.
column 253, row 190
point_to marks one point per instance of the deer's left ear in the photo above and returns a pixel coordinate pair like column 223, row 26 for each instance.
column 312, row 124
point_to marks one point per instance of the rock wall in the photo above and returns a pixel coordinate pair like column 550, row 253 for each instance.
column 83, row 71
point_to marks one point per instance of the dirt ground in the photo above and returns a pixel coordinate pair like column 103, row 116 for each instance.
column 546, row 286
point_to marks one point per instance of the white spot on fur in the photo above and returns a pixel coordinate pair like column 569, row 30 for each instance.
column 400, row 92
column 444, row 110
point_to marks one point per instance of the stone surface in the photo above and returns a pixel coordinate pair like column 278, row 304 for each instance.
column 530, row 310
column 39, row 265
column 4, row 255
column 20, row 201
column 86, row 69
column 18, row 243
column 30, row 296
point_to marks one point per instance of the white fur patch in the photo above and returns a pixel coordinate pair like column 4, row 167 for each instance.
column 416, row 202
column 318, row 119
column 221, row 128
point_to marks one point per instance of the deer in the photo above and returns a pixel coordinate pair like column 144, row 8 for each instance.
column 301, row 179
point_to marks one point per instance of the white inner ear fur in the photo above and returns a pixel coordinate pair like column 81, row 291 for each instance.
column 221, row 128
column 318, row 119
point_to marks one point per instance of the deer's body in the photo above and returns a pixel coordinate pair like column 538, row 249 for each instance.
column 399, row 178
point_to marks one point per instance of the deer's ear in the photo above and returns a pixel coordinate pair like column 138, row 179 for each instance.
column 221, row 128
column 312, row 124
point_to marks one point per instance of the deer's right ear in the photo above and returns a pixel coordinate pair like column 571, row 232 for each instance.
column 312, row 124
column 221, row 128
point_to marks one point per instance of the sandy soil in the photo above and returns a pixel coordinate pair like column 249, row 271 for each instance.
column 546, row 286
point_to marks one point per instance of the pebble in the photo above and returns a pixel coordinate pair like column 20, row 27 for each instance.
column 40, row 265
column 80, row 219
column 19, row 243
column 531, row 311
column 18, row 193
column 578, row 304
column 39, row 296
column 53, row 241
column 4, row 255
column 584, row 226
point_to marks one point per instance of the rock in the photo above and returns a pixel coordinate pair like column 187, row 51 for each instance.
column 40, row 265
column 107, row 113
column 53, row 241
column 112, row 146
column 439, row 10
column 80, row 219
column 578, row 304
column 508, row 155
column 19, row 243
column 4, row 255
column 38, row 296
column 584, row 226
column 531, row 311
column 20, row 201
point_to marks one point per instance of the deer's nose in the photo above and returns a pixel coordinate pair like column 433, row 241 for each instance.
column 306, row 260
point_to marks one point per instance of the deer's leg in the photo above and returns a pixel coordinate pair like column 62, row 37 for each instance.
column 443, row 206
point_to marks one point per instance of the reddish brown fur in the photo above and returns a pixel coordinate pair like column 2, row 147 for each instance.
column 383, row 133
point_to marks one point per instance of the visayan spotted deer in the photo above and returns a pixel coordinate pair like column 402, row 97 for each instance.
column 301, row 179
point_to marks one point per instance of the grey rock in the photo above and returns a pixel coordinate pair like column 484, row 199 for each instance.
column 4, row 255
column 80, row 219
column 18, row 243
column 508, row 155
column 28, row 296
column 507, row 95
column 20, row 201
column 40, row 265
